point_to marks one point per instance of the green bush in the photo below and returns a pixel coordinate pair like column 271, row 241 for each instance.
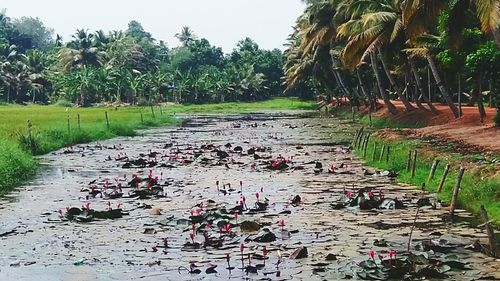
column 16, row 165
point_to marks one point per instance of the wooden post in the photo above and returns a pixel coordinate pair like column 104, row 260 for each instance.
column 352, row 112
column 408, row 161
column 491, row 233
column 79, row 126
column 69, row 128
column 365, row 147
column 374, row 155
column 414, row 166
column 387, row 155
column 459, row 97
column 382, row 153
column 370, row 116
column 355, row 139
column 359, row 136
column 153, row 112
column 443, row 178
column 142, row 118
column 161, row 111
column 433, row 170
column 107, row 119
column 30, row 134
column 454, row 198
column 360, row 140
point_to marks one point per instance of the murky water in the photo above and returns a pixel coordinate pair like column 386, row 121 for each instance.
column 35, row 244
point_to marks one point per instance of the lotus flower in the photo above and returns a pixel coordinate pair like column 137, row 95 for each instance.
column 372, row 254
column 191, row 235
column 154, row 248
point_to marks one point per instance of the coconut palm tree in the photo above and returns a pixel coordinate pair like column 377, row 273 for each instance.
column 372, row 25
column 422, row 13
column 186, row 36
column 81, row 51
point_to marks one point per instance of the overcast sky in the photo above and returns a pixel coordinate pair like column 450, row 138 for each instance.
column 222, row 22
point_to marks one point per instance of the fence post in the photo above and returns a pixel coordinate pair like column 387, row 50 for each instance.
column 142, row 118
column 454, row 198
column 408, row 161
column 107, row 119
column 365, row 147
column 414, row 166
column 374, row 155
column 370, row 116
column 69, row 127
column 491, row 233
column 355, row 138
column 382, row 153
column 387, row 155
column 443, row 178
column 433, row 170
column 79, row 126
column 153, row 112
column 30, row 134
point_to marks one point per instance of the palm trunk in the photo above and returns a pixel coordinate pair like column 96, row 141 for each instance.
column 480, row 105
column 414, row 93
column 371, row 99
column 420, row 87
column 342, row 84
column 442, row 88
column 405, row 101
column 496, row 35
column 392, row 109
column 339, row 77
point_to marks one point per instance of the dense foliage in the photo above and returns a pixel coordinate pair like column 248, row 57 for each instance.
column 129, row 66
column 410, row 50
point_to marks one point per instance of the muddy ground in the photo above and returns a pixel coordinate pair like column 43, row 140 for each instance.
column 160, row 237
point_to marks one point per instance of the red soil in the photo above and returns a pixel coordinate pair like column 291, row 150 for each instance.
column 467, row 129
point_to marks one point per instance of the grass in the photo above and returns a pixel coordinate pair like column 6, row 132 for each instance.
column 54, row 127
column 479, row 185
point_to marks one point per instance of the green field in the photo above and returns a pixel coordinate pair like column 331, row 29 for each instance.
column 50, row 129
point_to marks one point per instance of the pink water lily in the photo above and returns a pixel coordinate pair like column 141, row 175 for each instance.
column 372, row 254
column 191, row 235
column 392, row 254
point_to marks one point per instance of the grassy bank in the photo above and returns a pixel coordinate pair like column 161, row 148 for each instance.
column 479, row 184
column 54, row 127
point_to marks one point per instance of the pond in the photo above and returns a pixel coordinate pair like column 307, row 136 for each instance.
column 258, row 196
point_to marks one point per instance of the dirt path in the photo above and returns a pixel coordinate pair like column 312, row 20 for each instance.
column 467, row 129
column 39, row 243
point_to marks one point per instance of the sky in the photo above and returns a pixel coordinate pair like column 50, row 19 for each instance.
column 222, row 22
